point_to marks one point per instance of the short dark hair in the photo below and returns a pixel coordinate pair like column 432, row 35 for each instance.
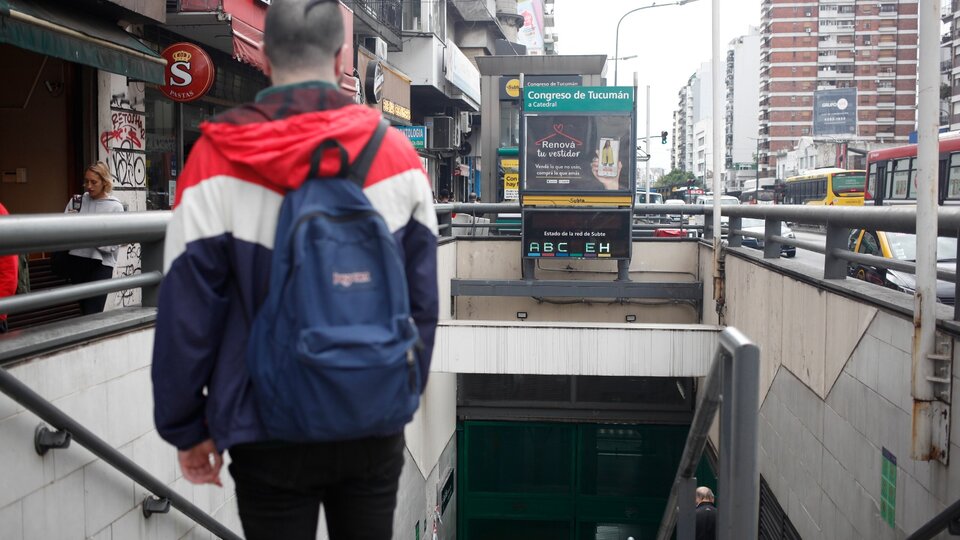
column 302, row 33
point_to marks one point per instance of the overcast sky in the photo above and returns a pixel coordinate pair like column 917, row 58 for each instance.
column 670, row 43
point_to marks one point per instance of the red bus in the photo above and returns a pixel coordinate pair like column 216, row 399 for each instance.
column 891, row 174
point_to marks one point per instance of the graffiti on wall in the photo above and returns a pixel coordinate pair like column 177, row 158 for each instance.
column 121, row 125
column 125, row 148
column 128, row 264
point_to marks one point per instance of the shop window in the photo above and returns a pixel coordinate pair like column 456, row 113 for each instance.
column 509, row 124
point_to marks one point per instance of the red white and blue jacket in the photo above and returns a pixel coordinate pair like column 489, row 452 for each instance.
column 9, row 265
column 220, row 241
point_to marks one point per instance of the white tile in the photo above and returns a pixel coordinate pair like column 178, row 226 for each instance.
column 88, row 407
column 108, row 494
column 915, row 501
column 889, row 375
column 11, row 521
column 23, row 471
column 867, row 517
column 811, row 453
column 129, row 406
column 894, row 330
column 60, row 374
column 134, row 526
column 8, row 407
column 198, row 533
column 56, row 511
column 229, row 515
column 867, row 469
column 830, row 478
column 105, row 534
column 863, row 361
column 157, row 457
column 810, row 411
column 810, row 494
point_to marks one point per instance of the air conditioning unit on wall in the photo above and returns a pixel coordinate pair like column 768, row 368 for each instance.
column 465, row 123
column 442, row 133
column 376, row 45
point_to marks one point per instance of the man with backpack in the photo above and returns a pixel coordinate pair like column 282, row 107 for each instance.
column 298, row 309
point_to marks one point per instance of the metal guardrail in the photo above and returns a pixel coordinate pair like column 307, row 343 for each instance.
column 948, row 520
column 732, row 386
column 34, row 233
column 55, row 232
column 69, row 429
column 839, row 222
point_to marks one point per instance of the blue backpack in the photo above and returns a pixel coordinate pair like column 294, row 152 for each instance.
column 331, row 350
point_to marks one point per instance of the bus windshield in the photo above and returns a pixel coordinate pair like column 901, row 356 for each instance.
column 848, row 182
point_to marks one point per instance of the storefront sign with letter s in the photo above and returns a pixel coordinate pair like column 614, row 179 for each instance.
column 189, row 73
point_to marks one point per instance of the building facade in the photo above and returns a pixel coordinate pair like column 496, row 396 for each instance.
column 950, row 65
column 835, row 69
column 741, row 121
column 694, row 103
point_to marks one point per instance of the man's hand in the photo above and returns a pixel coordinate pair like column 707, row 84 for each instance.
column 201, row 464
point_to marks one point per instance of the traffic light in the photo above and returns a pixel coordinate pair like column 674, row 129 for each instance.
column 663, row 137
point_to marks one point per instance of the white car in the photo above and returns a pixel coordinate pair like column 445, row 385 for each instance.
column 674, row 218
column 707, row 200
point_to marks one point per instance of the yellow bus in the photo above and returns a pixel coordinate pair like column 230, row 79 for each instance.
column 829, row 187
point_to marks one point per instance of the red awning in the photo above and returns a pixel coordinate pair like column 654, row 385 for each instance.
column 248, row 45
column 247, row 22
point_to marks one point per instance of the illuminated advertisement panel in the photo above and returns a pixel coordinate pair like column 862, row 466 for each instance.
column 577, row 234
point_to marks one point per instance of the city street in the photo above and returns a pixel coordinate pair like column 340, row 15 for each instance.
column 810, row 258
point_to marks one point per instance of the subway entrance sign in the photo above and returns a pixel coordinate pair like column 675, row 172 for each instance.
column 580, row 234
column 577, row 171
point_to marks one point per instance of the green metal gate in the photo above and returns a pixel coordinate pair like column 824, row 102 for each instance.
column 565, row 481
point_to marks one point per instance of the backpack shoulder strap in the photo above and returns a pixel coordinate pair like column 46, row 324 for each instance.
column 317, row 155
column 361, row 165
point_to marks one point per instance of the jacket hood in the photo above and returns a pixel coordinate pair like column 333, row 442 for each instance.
column 287, row 144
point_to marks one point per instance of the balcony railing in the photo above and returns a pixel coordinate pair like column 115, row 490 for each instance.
column 388, row 12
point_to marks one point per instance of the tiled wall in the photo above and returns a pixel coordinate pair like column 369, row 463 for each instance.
column 69, row 493
column 822, row 435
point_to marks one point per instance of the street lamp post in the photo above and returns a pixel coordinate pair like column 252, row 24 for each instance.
column 616, row 46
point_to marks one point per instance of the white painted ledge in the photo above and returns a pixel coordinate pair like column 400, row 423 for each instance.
column 539, row 348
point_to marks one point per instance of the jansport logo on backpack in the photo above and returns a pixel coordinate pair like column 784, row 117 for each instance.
column 346, row 280
column 331, row 351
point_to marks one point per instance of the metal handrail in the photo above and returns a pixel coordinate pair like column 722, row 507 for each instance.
column 52, row 232
column 52, row 415
column 943, row 521
column 732, row 386
column 48, row 232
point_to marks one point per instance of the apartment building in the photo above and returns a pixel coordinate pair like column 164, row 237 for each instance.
column 840, row 70
column 950, row 65
column 741, row 113
column 694, row 103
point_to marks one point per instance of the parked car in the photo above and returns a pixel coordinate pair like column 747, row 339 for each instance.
column 903, row 247
column 755, row 225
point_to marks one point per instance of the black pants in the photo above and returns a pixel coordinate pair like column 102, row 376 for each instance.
column 83, row 270
column 280, row 488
